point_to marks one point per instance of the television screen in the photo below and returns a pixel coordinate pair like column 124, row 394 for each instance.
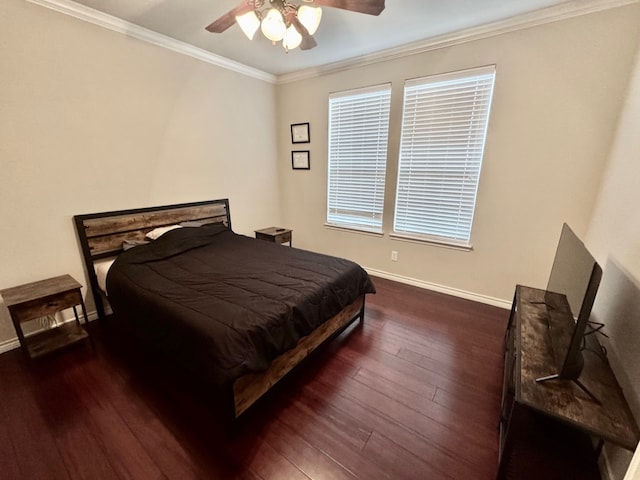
column 571, row 270
column 575, row 274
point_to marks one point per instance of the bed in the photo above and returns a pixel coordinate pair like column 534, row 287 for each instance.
column 239, row 312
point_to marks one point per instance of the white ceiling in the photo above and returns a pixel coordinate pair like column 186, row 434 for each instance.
column 342, row 34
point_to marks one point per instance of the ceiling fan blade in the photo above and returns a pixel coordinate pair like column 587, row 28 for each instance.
column 370, row 7
column 228, row 19
column 308, row 42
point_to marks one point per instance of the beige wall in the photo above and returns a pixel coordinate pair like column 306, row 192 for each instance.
column 92, row 120
column 614, row 237
column 558, row 92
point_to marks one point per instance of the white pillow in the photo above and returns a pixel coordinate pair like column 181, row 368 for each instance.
column 157, row 232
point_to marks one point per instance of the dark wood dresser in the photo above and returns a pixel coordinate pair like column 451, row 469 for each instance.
column 546, row 427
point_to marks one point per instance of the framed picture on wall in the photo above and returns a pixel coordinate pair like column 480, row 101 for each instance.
column 300, row 133
column 300, row 160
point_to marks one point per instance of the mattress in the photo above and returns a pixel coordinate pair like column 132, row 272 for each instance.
column 223, row 304
column 101, row 268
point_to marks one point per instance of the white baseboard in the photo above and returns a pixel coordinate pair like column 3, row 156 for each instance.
column 14, row 343
column 496, row 302
column 9, row 345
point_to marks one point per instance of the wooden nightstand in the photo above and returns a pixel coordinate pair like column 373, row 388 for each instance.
column 39, row 299
column 275, row 235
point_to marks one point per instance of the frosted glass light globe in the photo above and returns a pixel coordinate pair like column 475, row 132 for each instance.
column 249, row 23
column 273, row 25
column 292, row 39
column 310, row 17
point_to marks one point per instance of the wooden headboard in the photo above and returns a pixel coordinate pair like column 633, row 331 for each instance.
column 101, row 235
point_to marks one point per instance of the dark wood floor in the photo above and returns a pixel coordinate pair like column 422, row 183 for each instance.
column 412, row 394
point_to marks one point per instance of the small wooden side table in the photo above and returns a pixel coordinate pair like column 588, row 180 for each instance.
column 275, row 235
column 42, row 298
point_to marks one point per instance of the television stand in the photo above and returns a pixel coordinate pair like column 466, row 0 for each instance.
column 529, row 356
column 556, row 376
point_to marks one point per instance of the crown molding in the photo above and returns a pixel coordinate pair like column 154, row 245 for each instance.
column 129, row 29
column 570, row 9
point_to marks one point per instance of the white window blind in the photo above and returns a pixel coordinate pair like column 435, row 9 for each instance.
column 444, row 127
column 358, row 134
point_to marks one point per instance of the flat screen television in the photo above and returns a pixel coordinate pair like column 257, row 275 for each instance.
column 576, row 275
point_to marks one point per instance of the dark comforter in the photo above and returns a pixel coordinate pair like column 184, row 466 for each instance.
column 224, row 304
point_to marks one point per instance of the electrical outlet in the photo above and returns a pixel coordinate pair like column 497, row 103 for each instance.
column 394, row 255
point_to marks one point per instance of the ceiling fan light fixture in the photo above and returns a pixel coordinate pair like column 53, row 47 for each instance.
column 310, row 17
column 249, row 23
column 280, row 15
column 273, row 26
column 292, row 39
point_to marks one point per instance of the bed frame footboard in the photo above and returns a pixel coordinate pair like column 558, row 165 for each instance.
column 247, row 389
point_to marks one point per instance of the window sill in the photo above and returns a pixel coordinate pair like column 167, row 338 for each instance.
column 362, row 231
column 431, row 241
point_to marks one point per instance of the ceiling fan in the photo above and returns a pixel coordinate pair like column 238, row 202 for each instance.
column 286, row 21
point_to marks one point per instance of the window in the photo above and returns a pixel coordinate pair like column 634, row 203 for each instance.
column 444, row 127
column 358, row 132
